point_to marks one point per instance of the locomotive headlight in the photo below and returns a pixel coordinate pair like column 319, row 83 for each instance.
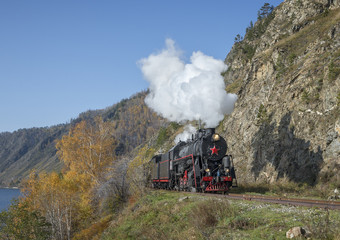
column 207, row 170
column 216, row 137
column 227, row 170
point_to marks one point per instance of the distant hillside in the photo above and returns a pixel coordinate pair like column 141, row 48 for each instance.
column 27, row 149
column 286, row 72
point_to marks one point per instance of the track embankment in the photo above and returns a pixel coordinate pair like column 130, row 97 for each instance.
column 287, row 201
column 318, row 203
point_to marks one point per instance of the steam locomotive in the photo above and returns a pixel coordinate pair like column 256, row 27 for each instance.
column 199, row 164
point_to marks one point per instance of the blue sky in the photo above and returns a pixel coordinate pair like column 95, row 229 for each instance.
column 61, row 58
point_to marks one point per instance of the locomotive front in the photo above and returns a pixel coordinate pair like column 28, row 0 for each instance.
column 217, row 167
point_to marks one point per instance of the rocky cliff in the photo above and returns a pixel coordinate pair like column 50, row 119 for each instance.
column 286, row 72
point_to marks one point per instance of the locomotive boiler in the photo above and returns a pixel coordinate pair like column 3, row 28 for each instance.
column 198, row 164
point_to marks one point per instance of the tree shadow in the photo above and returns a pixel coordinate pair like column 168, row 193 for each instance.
column 290, row 156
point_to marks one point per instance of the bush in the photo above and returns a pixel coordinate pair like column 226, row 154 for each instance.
column 321, row 226
column 291, row 58
column 95, row 230
column 162, row 136
column 262, row 115
column 305, row 96
column 249, row 51
column 333, row 71
column 209, row 212
column 19, row 222
column 240, row 223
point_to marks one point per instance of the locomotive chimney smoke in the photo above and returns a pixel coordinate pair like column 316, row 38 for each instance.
column 189, row 130
column 182, row 91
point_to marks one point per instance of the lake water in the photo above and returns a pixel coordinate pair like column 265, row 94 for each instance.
column 6, row 195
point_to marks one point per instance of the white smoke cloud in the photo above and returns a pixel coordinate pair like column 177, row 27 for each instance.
column 189, row 130
column 187, row 91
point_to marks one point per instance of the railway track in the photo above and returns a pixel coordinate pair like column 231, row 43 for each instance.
column 335, row 205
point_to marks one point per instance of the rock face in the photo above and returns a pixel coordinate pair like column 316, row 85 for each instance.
column 286, row 72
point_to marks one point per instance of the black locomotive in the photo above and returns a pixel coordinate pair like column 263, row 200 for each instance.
column 199, row 164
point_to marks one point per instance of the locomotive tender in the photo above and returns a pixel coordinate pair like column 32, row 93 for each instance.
column 199, row 164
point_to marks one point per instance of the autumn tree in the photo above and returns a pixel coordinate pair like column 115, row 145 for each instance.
column 66, row 200
column 59, row 199
column 19, row 222
column 89, row 149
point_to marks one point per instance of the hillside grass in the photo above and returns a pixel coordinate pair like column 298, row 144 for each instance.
column 289, row 189
column 178, row 215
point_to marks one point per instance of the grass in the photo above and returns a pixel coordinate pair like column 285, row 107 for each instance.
column 234, row 87
column 289, row 189
column 178, row 215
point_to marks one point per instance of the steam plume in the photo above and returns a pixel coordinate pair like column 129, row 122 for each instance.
column 189, row 130
column 187, row 91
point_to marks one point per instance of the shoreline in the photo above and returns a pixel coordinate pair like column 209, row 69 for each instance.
column 14, row 188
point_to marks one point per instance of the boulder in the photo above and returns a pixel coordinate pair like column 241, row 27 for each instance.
column 298, row 232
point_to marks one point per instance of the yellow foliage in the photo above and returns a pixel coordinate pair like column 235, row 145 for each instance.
column 59, row 199
column 88, row 149
column 66, row 199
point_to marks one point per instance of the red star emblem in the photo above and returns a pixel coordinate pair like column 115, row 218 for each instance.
column 214, row 150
